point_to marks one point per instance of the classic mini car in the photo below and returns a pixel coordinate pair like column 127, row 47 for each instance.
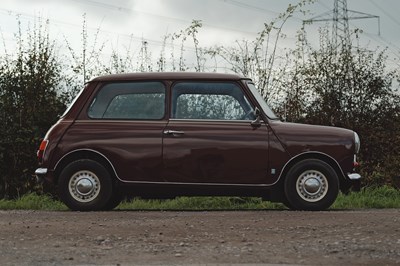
column 162, row 135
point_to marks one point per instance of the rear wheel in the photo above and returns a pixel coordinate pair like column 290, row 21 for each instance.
column 85, row 185
column 114, row 201
column 311, row 185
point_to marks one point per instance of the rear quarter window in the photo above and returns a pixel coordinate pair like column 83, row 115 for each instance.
column 131, row 100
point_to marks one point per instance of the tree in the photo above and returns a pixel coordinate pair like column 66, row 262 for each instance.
column 257, row 59
column 350, row 89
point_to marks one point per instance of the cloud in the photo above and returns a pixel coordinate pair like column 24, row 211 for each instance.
column 122, row 22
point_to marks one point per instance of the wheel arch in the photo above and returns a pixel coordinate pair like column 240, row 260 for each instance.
column 314, row 155
column 84, row 154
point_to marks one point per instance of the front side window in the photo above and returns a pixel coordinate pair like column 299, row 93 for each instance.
column 131, row 100
column 215, row 101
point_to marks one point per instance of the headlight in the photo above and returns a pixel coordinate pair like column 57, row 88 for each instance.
column 357, row 142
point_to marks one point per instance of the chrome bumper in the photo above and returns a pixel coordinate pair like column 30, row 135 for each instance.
column 40, row 173
column 354, row 176
column 355, row 181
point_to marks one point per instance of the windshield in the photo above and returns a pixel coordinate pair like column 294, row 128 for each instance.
column 261, row 101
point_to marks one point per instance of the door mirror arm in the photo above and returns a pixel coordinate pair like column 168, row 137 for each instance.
column 257, row 122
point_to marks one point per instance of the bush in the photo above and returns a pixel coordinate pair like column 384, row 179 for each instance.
column 30, row 103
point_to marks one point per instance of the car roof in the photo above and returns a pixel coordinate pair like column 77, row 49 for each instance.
column 168, row 76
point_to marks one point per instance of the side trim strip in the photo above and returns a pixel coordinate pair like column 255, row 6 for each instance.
column 205, row 184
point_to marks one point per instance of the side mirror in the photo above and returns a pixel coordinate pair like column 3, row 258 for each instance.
column 257, row 122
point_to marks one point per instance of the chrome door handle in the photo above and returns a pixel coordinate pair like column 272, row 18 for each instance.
column 173, row 132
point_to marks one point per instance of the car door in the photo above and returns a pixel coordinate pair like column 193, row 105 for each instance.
column 210, row 137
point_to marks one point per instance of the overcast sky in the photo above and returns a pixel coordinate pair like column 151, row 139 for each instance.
column 224, row 21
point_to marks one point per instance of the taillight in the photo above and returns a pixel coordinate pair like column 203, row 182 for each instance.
column 41, row 150
column 355, row 163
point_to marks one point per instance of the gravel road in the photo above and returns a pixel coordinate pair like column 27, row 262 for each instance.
column 208, row 237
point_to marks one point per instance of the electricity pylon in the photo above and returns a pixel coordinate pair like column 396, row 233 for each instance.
column 343, row 84
column 340, row 17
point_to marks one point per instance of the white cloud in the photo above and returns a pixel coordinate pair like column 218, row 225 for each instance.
column 224, row 21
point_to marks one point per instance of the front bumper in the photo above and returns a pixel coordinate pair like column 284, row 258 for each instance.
column 354, row 176
column 355, row 181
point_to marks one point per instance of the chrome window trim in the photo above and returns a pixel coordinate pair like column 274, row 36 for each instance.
column 209, row 120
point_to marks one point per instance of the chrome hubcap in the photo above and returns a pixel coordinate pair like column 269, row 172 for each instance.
column 84, row 186
column 312, row 185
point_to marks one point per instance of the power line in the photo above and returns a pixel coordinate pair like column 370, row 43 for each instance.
column 182, row 21
column 340, row 16
column 386, row 13
column 119, row 34
column 380, row 8
column 389, row 45
column 58, row 22
column 325, row 6
column 129, row 10
column 255, row 8
column 240, row 4
column 380, row 38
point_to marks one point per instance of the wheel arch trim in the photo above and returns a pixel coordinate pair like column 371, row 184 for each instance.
column 311, row 155
column 89, row 151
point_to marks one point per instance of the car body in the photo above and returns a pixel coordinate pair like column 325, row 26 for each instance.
column 161, row 135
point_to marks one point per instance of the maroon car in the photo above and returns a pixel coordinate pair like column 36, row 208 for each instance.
column 161, row 135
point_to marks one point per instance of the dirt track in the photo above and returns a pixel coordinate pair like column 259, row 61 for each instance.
column 214, row 237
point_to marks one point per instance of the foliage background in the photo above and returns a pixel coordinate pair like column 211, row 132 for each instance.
column 346, row 87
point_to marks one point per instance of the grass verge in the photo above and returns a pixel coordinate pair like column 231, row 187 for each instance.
column 373, row 197
column 369, row 198
column 32, row 201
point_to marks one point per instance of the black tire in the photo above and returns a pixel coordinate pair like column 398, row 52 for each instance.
column 85, row 185
column 114, row 201
column 311, row 185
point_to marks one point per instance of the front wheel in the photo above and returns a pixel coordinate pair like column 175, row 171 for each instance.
column 311, row 185
column 85, row 185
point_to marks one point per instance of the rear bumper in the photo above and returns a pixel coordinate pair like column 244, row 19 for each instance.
column 40, row 174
